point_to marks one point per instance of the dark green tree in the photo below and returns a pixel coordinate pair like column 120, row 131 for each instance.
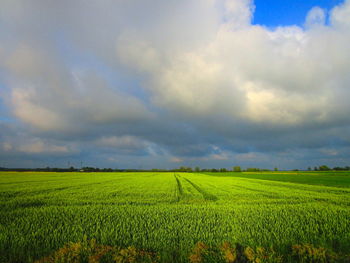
column 324, row 168
column 237, row 169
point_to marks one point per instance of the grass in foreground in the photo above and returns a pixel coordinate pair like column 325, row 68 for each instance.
column 91, row 252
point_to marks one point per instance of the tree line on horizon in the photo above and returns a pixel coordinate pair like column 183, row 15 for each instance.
column 180, row 169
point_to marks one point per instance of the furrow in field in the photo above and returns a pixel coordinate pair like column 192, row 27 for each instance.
column 308, row 188
column 283, row 187
column 291, row 191
column 231, row 188
column 205, row 194
column 180, row 190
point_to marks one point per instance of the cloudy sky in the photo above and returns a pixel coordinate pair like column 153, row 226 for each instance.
column 145, row 84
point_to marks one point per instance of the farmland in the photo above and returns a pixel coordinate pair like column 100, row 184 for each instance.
column 168, row 213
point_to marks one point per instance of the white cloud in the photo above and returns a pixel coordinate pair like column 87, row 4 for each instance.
column 46, row 95
column 340, row 16
column 315, row 17
column 6, row 146
column 285, row 76
column 39, row 146
column 242, row 72
column 238, row 14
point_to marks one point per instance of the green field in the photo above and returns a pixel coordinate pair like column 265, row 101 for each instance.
column 169, row 213
column 329, row 178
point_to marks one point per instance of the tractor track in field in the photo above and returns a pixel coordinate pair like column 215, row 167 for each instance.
column 180, row 190
column 206, row 195
column 264, row 193
column 306, row 187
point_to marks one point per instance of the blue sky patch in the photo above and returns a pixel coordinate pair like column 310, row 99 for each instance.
column 274, row 13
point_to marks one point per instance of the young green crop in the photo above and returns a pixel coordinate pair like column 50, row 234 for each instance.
column 166, row 212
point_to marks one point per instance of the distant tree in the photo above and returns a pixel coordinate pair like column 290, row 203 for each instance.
column 197, row 169
column 223, row 170
column 324, row 168
column 237, row 169
column 253, row 169
column 309, row 168
column 184, row 169
column 276, row 169
column 315, row 168
column 339, row 168
column 106, row 170
column 90, row 169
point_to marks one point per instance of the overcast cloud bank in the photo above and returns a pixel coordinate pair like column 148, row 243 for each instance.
column 169, row 83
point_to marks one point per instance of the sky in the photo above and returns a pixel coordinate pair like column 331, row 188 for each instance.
column 273, row 13
column 164, row 84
